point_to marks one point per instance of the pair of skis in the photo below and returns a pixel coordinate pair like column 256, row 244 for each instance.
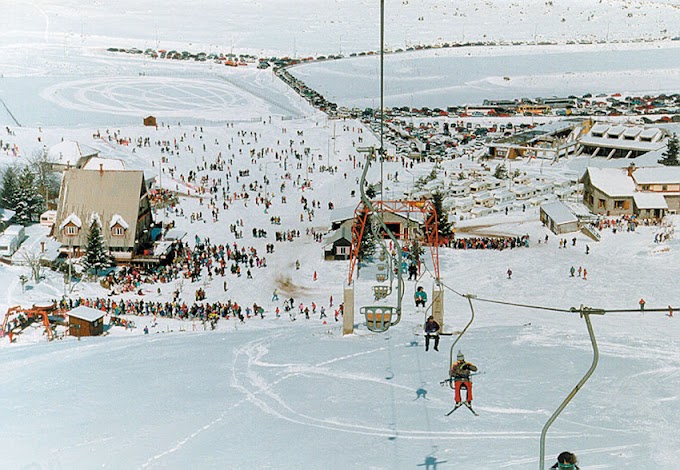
column 458, row 405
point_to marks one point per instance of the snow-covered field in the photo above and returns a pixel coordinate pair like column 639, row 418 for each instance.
column 271, row 393
column 438, row 78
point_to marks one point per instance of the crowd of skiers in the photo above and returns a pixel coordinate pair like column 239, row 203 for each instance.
column 489, row 243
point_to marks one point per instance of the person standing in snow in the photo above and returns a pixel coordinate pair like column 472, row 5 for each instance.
column 460, row 374
column 642, row 304
column 509, row 273
column 431, row 331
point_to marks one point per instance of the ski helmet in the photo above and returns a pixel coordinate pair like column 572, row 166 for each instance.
column 460, row 355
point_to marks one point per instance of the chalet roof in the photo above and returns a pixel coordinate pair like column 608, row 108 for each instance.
column 614, row 182
column 94, row 162
column 118, row 219
column 559, row 213
column 69, row 152
column 106, row 193
column 71, row 219
column 650, row 200
column 341, row 233
column 340, row 214
column 657, row 175
column 86, row 313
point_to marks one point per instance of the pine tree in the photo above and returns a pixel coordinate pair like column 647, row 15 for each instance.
column 8, row 196
column 670, row 156
column 501, row 172
column 96, row 255
column 415, row 251
column 367, row 245
column 29, row 203
column 443, row 224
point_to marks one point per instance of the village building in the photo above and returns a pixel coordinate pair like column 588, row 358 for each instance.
column 150, row 121
column 550, row 141
column 338, row 245
column 118, row 199
column 85, row 321
column 645, row 192
column 618, row 141
column 403, row 224
column 557, row 217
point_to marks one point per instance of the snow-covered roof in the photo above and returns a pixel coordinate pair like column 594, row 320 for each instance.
column 86, row 313
column 621, row 144
column 99, row 163
column 632, row 132
column 118, row 219
column 650, row 133
column 66, row 152
column 340, row 214
column 522, row 189
column 614, row 182
column 657, row 175
column 175, row 234
column 162, row 248
column 342, row 232
column 559, row 213
column 650, row 200
column 599, row 129
column 6, row 214
column 615, row 131
column 71, row 219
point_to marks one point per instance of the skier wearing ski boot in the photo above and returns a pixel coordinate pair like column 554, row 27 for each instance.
column 566, row 461
column 431, row 331
column 460, row 374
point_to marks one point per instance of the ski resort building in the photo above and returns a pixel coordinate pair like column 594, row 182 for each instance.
column 649, row 192
column 117, row 198
column 617, row 141
column 85, row 321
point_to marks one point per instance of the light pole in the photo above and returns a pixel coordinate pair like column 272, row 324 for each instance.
column 413, row 182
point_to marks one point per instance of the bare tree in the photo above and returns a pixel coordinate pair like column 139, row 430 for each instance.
column 33, row 261
column 46, row 177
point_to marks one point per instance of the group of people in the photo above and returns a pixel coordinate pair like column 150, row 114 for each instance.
column 489, row 243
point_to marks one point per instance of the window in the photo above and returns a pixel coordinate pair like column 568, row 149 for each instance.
column 601, row 204
column 71, row 230
column 117, row 231
column 664, row 187
column 619, row 205
column 343, row 250
column 645, row 187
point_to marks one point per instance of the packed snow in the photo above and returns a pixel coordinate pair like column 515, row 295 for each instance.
column 274, row 393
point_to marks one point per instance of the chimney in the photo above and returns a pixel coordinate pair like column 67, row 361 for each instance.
column 101, row 169
column 631, row 169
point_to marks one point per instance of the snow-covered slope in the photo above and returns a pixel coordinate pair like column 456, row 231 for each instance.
column 276, row 393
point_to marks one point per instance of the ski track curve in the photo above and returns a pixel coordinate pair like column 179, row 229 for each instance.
column 260, row 392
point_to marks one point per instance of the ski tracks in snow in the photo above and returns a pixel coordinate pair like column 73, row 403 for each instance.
column 261, row 392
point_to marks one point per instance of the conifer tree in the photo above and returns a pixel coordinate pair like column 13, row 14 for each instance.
column 367, row 245
column 28, row 202
column 9, row 188
column 501, row 172
column 96, row 254
column 670, row 156
column 443, row 224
